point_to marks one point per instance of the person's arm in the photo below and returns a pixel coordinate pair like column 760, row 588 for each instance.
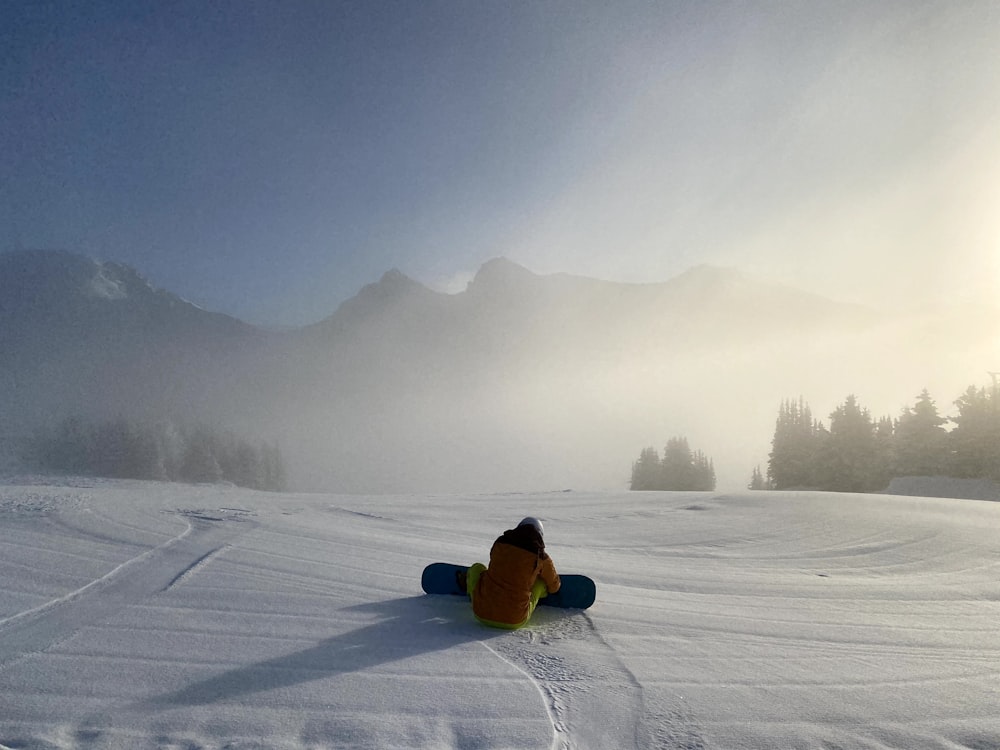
column 549, row 575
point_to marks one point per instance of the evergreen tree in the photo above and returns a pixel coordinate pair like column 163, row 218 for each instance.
column 273, row 473
column 248, row 466
column 703, row 472
column 646, row 471
column 824, row 468
column 677, row 471
column 170, row 450
column 850, row 455
column 885, row 450
column 68, row 450
column 758, row 481
column 856, row 455
column 122, row 449
column 920, row 440
column 680, row 470
column 110, row 447
column 792, row 461
column 975, row 441
column 200, row 463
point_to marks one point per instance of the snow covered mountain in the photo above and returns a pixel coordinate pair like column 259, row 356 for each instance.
column 59, row 287
column 520, row 381
column 79, row 336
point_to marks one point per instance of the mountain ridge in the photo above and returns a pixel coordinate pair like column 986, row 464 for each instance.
column 42, row 282
column 521, row 381
column 82, row 276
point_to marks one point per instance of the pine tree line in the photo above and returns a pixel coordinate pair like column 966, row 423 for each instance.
column 164, row 452
column 679, row 469
column 859, row 454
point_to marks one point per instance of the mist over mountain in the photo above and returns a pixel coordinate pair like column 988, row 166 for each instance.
column 521, row 381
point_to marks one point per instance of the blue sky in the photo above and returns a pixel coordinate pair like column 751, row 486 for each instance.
column 267, row 159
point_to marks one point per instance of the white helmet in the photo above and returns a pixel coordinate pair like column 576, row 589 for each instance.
column 532, row 521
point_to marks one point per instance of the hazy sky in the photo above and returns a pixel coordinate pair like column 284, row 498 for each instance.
column 267, row 159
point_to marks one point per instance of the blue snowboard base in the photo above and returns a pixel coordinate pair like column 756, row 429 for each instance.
column 575, row 592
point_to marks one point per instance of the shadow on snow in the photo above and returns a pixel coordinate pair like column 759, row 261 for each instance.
column 407, row 627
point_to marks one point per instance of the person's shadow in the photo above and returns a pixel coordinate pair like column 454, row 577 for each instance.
column 406, row 627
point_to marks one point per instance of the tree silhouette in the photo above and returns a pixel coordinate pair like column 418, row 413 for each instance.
column 646, row 471
column 681, row 469
column 758, row 481
column 857, row 455
column 975, row 441
column 121, row 449
column 850, row 457
column 920, row 440
column 792, row 461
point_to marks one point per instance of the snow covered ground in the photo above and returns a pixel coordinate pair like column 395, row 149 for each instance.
column 142, row 615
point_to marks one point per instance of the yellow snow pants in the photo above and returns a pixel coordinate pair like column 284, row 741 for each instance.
column 538, row 590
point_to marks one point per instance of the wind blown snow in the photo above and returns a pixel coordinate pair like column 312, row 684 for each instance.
column 138, row 615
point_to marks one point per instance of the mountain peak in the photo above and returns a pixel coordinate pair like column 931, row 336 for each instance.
column 57, row 285
column 392, row 284
column 392, row 289
column 34, row 279
column 395, row 276
column 706, row 273
column 501, row 273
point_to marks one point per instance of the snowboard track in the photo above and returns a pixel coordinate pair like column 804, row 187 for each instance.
column 571, row 664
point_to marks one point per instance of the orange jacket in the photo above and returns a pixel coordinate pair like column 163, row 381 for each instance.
column 517, row 560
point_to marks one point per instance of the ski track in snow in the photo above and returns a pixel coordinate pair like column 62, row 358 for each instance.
column 156, row 570
column 191, row 569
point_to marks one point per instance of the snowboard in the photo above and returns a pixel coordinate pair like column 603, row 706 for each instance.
column 576, row 591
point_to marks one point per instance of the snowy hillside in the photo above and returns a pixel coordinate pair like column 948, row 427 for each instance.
column 138, row 615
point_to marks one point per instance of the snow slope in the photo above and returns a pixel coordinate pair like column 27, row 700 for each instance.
column 139, row 615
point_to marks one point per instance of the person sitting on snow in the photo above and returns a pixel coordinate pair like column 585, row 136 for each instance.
column 505, row 594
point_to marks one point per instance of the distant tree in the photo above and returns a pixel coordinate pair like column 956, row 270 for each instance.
column 225, row 448
column 792, row 461
column 758, row 481
column 703, row 472
column 273, row 474
column 975, row 441
column 110, row 449
column 121, row 449
column 885, row 450
column 170, row 451
column 646, row 471
column 201, row 463
column 850, row 455
column 857, row 455
column 847, row 457
column 68, row 449
column 678, row 471
column 247, row 465
column 921, row 440
column 681, row 469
